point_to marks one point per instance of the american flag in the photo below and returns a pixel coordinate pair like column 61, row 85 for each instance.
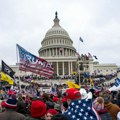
column 32, row 63
column 81, row 110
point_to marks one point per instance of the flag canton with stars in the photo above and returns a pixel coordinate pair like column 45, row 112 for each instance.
column 81, row 110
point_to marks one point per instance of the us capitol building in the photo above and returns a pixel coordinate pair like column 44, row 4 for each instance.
column 57, row 48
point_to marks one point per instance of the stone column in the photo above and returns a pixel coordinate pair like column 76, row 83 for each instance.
column 63, row 68
column 53, row 52
column 56, row 51
column 67, row 52
column 57, row 68
column 46, row 53
column 69, row 67
column 49, row 51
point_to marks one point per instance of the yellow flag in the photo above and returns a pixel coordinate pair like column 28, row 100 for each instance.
column 72, row 85
column 6, row 78
column 91, row 81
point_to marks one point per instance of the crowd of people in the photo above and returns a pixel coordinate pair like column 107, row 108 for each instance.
column 30, row 102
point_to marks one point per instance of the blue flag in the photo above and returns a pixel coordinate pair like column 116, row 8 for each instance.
column 117, row 82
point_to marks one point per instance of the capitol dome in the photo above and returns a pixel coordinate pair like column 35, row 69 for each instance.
column 56, row 29
column 57, row 48
column 56, row 37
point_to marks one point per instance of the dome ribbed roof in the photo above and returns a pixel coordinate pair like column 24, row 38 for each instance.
column 56, row 29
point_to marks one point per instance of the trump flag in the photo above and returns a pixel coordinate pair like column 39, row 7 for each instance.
column 32, row 63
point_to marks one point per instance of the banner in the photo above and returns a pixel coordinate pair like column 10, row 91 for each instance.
column 6, row 69
column 116, row 85
column 32, row 63
column 117, row 82
column 6, row 78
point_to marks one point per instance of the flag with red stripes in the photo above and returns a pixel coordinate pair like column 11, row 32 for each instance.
column 32, row 63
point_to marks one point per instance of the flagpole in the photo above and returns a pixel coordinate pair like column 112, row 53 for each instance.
column 18, row 68
column 79, row 77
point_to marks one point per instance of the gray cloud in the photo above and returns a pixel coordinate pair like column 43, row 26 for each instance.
column 26, row 22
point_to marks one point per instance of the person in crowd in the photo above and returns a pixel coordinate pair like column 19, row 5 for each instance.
column 21, row 106
column 50, row 105
column 50, row 113
column 57, row 103
column 46, row 98
column 64, row 106
column 37, row 110
column 113, row 109
column 98, row 105
column 79, row 108
column 1, row 100
column 118, row 98
column 114, row 100
column 10, row 111
column 56, row 99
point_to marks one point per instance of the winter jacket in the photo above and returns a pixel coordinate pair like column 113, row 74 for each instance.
column 113, row 109
column 10, row 114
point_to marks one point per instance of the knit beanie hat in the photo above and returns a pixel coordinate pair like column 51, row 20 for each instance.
column 52, row 111
column 64, row 99
column 72, row 94
column 38, row 109
column 10, row 103
column 56, row 99
column 98, row 104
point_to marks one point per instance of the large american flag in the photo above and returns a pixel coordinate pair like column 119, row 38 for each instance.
column 32, row 63
column 81, row 110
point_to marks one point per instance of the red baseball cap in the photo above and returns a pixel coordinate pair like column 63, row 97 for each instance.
column 72, row 93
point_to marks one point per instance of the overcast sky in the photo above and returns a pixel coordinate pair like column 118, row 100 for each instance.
column 25, row 22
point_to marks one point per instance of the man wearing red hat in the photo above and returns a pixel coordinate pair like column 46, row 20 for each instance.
column 10, row 111
column 79, row 109
column 38, row 110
